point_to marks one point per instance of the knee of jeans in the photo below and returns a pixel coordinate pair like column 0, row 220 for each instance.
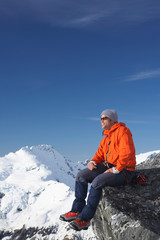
column 80, row 177
column 96, row 184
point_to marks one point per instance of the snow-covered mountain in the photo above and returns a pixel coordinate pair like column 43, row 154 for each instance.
column 36, row 186
column 145, row 156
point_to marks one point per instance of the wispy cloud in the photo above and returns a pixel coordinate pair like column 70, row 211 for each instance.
column 86, row 118
column 93, row 118
column 82, row 13
column 143, row 75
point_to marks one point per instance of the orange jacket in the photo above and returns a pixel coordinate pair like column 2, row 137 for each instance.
column 117, row 148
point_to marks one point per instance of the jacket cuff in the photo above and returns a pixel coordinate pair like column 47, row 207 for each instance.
column 92, row 161
column 115, row 171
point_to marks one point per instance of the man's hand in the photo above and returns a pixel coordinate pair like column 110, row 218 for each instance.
column 109, row 170
column 92, row 165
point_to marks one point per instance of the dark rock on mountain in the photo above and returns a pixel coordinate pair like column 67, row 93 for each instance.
column 131, row 211
column 31, row 233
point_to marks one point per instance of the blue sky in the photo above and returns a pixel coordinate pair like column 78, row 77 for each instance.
column 64, row 62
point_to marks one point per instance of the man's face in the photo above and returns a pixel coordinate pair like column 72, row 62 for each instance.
column 106, row 122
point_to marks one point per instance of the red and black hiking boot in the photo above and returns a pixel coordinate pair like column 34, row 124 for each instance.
column 79, row 224
column 69, row 216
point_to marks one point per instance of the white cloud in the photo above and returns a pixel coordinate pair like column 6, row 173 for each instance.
column 93, row 118
column 87, row 118
column 143, row 75
column 82, row 13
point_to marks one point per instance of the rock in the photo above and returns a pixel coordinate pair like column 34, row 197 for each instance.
column 131, row 211
column 31, row 233
column 2, row 195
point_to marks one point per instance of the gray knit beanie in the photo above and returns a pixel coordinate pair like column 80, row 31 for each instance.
column 110, row 113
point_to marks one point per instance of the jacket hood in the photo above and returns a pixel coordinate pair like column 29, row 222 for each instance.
column 114, row 127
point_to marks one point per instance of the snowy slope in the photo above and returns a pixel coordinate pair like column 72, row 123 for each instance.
column 38, row 185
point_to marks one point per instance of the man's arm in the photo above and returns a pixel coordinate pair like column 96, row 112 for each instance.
column 99, row 155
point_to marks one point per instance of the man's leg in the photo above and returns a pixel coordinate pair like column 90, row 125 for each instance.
column 80, row 196
column 92, row 203
column 109, row 179
column 113, row 180
column 102, row 180
column 84, row 177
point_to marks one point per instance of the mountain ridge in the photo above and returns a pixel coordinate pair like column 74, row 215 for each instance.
column 36, row 185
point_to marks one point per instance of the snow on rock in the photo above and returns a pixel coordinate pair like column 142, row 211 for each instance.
column 145, row 156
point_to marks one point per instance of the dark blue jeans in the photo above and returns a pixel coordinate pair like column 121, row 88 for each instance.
column 99, row 179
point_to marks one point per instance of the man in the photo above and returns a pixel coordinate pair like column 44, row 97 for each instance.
column 113, row 165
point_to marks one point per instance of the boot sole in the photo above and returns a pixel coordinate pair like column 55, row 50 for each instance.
column 66, row 220
column 78, row 229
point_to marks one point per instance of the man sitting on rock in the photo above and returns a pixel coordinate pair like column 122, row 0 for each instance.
column 113, row 165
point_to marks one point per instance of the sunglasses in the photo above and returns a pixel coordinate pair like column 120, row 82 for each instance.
column 104, row 118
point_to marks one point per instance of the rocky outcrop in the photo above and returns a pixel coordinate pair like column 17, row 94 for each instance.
column 131, row 211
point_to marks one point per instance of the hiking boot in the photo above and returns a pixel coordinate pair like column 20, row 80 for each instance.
column 79, row 224
column 68, row 217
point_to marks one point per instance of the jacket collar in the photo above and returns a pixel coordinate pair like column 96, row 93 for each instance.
column 113, row 128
